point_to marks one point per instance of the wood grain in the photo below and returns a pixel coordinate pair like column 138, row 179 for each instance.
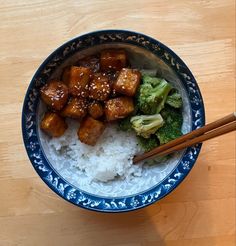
column 201, row 211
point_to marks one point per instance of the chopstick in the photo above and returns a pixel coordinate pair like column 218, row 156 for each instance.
column 211, row 130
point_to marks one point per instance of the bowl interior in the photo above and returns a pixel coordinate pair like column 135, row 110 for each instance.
column 151, row 175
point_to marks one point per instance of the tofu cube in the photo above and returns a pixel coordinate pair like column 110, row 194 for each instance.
column 53, row 124
column 99, row 88
column 113, row 60
column 92, row 62
column 118, row 108
column 78, row 81
column 112, row 77
column 95, row 109
column 90, row 130
column 127, row 82
column 54, row 94
column 76, row 108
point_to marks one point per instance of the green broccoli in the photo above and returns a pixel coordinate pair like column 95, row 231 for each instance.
column 125, row 125
column 148, row 144
column 147, row 79
column 152, row 94
column 145, row 125
column 172, row 127
column 174, row 99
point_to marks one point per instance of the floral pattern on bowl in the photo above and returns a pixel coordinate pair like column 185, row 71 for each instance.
column 31, row 136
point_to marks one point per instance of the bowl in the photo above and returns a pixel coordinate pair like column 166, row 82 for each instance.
column 157, row 181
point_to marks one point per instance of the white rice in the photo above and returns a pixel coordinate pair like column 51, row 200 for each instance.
column 110, row 158
column 105, row 169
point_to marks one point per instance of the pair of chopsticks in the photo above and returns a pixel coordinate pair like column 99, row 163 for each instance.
column 222, row 126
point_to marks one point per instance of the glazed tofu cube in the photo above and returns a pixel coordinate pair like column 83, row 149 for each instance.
column 95, row 109
column 113, row 60
column 54, row 94
column 99, row 88
column 118, row 108
column 112, row 77
column 90, row 130
column 78, row 81
column 92, row 62
column 53, row 124
column 127, row 82
column 76, row 108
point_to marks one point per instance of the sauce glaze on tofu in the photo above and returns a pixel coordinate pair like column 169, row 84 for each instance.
column 54, row 94
column 95, row 109
column 76, row 108
column 127, row 82
column 78, row 81
column 113, row 60
column 90, row 130
column 99, row 88
column 53, row 124
column 95, row 90
column 118, row 108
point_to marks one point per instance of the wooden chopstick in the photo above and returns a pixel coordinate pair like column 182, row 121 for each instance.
column 214, row 129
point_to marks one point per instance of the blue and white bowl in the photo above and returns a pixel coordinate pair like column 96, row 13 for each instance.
column 157, row 181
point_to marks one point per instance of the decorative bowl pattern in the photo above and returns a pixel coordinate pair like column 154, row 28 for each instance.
column 32, row 140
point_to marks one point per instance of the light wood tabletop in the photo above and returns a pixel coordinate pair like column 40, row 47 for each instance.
column 201, row 211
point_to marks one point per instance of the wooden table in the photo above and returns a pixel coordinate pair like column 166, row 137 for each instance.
column 201, row 211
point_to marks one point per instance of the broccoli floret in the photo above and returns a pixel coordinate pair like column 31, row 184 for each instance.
column 172, row 127
column 147, row 79
column 174, row 99
column 152, row 94
column 125, row 124
column 145, row 125
column 148, row 144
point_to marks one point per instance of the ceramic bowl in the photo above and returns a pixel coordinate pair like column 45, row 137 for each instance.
column 156, row 181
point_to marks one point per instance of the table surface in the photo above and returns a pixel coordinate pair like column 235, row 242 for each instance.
column 201, row 211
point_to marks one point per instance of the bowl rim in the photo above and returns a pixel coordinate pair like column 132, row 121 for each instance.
column 99, row 203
